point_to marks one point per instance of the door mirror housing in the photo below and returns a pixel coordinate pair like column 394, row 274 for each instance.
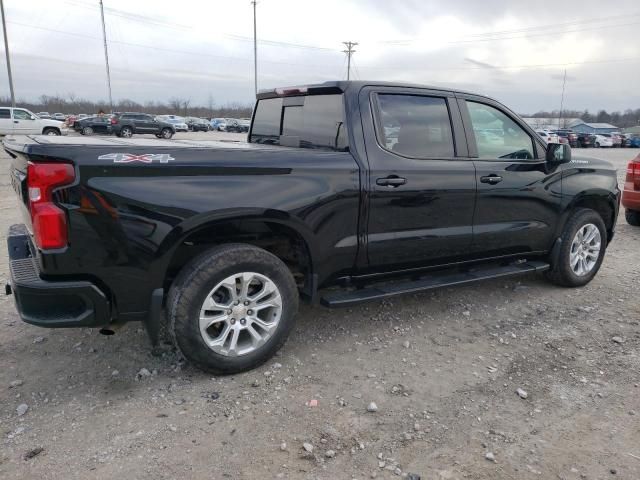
column 558, row 153
column 32, row 117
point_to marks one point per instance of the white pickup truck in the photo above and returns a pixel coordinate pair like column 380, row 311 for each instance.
column 20, row 121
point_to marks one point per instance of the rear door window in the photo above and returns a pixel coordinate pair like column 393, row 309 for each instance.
column 5, row 113
column 415, row 126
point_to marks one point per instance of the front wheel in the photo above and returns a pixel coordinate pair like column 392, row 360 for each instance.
column 51, row 131
column 166, row 133
column 582, row 248
column 632, row 217
column 231, row 308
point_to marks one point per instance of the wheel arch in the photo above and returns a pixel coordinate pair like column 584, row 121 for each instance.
column 281, row 235
column 601, row 201
column 50, row 127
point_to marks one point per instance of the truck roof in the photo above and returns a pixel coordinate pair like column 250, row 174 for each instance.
column 341, row 86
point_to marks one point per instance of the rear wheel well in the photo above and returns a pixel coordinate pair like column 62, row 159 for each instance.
column 282, row 241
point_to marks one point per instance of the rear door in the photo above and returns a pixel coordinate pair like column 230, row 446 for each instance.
column 6, row 122
column 518, row 199
column 422, row 185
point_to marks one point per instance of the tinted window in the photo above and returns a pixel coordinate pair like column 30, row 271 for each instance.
column 21, row 115
column 497, row 136
column 313, row 121
column 5, row 113
column 415, row 126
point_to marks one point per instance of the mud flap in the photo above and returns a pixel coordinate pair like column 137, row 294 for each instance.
column 154, row 321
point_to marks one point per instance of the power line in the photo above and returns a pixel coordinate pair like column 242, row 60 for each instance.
column 349, row 51
column 255, row 51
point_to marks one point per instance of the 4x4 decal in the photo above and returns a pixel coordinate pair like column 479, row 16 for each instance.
column 131, row 157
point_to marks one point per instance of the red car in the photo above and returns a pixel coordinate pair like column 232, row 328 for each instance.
column 631, row 193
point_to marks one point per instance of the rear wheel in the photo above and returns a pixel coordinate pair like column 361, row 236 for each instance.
column 231, row 308
column 582, row 248
column 87, row 131
column 126, row 132
column 166, row 133
column 597, row 145
column 633, row 217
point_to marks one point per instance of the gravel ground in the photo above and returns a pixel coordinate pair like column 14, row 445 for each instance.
column 443, row 369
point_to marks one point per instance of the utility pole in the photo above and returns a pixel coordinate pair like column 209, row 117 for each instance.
column 255, row 50
column 349, row 51
column 564, row 82
column 6, row 50
column 106, row 55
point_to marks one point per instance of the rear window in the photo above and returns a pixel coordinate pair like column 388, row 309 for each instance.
column 313, row 121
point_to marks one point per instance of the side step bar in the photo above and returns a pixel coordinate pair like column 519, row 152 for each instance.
column 429, row 282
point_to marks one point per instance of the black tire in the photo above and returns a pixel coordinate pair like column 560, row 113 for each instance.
column 560, row 272
column 199, row 277
column 597, row 145
column 126, row 132
column 166, row 133
column 633, row 217
column 51, row 131
column 87, row 131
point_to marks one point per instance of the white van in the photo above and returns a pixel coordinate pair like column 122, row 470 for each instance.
column 20, row 121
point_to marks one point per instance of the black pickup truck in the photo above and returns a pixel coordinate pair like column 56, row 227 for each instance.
column 344, row 192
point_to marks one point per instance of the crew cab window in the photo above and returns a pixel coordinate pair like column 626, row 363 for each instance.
column 415, row 126
column 312, row 121
column 21, row 115
column 5, row 113
column 497, row 135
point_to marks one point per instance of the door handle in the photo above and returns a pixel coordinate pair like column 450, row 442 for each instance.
column 391, row 181
column 16, row 121
column 491, row 179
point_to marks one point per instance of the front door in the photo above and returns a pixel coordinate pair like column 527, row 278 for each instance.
column 518, row 199
column 421, row 187
column 24, row 123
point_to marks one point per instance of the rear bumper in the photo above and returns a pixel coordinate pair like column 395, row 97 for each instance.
column 48, row 303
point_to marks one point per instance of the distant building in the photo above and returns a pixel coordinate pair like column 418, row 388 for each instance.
column 635, row 129
column 549, row 123
column 584, row 127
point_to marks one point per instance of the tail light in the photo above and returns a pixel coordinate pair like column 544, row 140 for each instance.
column 48, row 220
column 633, row 173
column 114, row 120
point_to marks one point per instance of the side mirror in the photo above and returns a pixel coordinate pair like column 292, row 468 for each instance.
column 31, row 117
column 558, row 153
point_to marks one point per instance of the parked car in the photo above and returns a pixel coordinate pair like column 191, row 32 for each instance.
column 343, row 215
column 100, row 124
column 59, row 116
column 617, row 139
column 198, row 125
column 548, row 136
column 219, row 124
column 20, row 121
column 633, row 140
column 237, row 126
column 631, row 193
column 586, row 140
column 130, row 123
column 44, row 115
column 83, row 115
column 603, row 140
column 570, row 135
column 178, row 123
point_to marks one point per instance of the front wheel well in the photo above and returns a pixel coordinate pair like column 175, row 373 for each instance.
column 47, row 129
column 282, row 241
column 600, row 205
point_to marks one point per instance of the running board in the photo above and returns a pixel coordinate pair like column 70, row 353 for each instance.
column 429, row 282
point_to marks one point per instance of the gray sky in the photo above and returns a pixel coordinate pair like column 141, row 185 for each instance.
column 515, row 51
